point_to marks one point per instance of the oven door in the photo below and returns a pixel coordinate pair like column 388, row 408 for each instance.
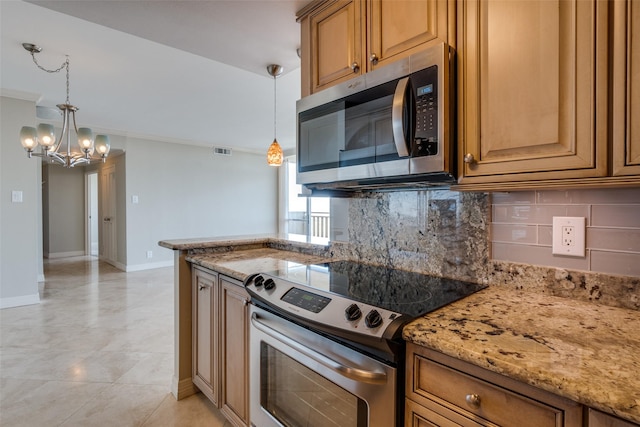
column 299, row 378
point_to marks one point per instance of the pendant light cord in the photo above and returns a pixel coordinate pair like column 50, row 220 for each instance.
column 275, row 97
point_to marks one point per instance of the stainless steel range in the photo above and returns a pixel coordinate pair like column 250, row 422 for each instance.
column 325, row 341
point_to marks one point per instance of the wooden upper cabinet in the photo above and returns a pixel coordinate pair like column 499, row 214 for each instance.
column 399, row 28
column 331, row 45
column 341, row 39
column 626, row 88
column 532, row 90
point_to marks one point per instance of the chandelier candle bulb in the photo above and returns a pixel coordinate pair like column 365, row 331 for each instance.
column 102, row 145
column 85, row 139
column 28, row 138
column 46, row 135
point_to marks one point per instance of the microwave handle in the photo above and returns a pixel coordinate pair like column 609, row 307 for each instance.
column 397, row 118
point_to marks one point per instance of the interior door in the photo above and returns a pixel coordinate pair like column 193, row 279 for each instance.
column 108, row 214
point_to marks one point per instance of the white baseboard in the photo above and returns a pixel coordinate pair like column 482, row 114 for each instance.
column 149, row 266
column 64, row 254
column 19, row 301
column 183, row 388
column 40, row 278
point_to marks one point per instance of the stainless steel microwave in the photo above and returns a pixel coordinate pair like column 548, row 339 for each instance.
column 389, row 128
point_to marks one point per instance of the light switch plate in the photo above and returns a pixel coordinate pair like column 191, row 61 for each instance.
column 16, row 196
column 569, row 236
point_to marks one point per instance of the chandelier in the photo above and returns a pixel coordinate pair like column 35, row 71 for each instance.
column 44, row 135
column 274, row 153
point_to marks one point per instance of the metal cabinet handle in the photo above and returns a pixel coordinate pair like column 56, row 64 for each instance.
column 469, row 159
column 355, row 67
column 202, row 287
column 373, row 59
column 473, row 400
column 371, row 377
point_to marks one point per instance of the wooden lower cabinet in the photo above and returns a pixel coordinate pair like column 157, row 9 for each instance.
column 205, row 336
column 443, row 391
column 600, row 419
column 221, row 343
column 234, row 339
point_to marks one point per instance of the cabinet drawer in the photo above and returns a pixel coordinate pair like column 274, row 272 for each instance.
column 480, row 398
column 430, row 414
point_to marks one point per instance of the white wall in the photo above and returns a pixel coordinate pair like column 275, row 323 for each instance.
column 185, row 191
column 20, row 223
column 65, row 197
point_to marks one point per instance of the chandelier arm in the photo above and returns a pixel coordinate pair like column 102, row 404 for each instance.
column 73, row 113
column 58, row 158
column 65, row 122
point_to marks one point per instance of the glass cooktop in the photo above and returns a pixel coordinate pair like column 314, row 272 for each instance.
column 404, row 292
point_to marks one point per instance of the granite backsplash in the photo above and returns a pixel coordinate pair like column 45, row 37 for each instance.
column 446, row 233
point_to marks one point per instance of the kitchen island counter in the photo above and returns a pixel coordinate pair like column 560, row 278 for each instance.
column 242, row 263
column 586, row 352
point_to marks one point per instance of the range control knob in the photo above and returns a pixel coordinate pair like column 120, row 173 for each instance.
column 373, row 319
column 258, row 281
column 269, row 284
column 353, row 312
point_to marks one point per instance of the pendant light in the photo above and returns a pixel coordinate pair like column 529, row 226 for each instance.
column 274, row 153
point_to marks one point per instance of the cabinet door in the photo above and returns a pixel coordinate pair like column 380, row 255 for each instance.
column 397, row 29
column 532, row 89
column 335, row 43
column 626, row 88
column 205, row 348
column 600, row 419
column 235, row 347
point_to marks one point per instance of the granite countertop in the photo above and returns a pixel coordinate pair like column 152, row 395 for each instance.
column 241, row 263
column 586, row 352
column 293, row 240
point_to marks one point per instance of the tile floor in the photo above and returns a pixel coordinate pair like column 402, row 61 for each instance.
column 96, row 351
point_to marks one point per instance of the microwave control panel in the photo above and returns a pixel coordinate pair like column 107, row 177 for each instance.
column 426, row 101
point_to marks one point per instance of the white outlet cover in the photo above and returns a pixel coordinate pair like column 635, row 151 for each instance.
column 578, row 248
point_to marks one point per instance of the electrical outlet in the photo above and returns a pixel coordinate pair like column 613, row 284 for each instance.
column 569, row 236
column 149, row 254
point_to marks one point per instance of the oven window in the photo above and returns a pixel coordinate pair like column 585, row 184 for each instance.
column 299, row 397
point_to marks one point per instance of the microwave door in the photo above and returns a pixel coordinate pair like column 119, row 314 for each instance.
column 402, row 117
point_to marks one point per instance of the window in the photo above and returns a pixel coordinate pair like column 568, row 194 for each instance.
column 304, row 215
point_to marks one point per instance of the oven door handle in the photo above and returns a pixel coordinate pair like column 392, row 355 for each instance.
column 356, row 374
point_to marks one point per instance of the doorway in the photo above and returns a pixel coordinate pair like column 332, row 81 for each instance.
column 108, row 240
column 92, row 234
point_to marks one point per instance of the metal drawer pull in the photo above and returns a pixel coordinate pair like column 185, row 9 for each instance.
column 371, row 377
column 473, row 400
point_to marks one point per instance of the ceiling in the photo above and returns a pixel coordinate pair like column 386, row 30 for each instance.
column 180, row 71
